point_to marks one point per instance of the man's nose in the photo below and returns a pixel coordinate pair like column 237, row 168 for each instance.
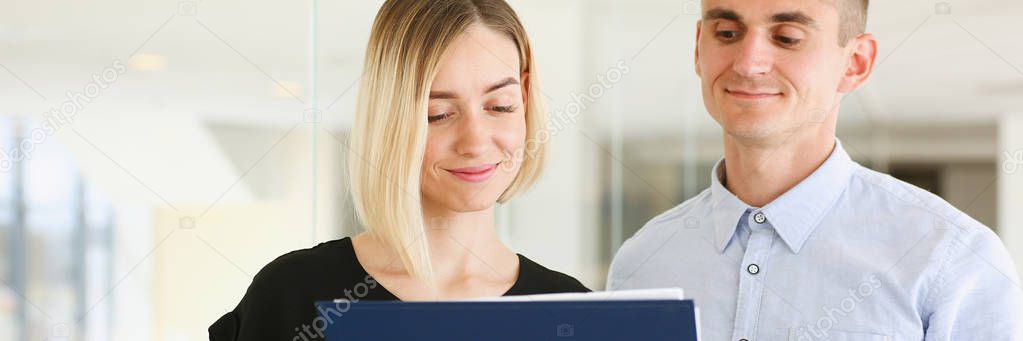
column 755, row 56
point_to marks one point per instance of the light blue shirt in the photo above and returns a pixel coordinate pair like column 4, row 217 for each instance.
column 847, row 254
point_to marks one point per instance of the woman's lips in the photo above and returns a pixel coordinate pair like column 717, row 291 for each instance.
column 474, row 174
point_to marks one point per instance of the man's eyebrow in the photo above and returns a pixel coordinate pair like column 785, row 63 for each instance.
column 500, row 84
column 796, row 17
column 721, row 13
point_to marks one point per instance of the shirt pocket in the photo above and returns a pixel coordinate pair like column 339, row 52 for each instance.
column 837, row 335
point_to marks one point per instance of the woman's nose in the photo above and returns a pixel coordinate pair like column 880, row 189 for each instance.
column 474, row 135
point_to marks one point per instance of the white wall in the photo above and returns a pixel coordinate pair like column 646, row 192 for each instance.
column 1010, row 186
column 546, row 223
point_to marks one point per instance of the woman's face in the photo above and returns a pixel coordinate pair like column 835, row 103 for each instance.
column 476, row 123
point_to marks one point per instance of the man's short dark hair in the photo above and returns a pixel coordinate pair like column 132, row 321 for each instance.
column 853, row 19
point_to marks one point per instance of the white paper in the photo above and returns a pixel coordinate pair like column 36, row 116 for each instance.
column 664, row 294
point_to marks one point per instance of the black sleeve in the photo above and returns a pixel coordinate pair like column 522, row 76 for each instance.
column 226, row 328
column 537, row 279
column 573, row 285
column 275, row 304
column 559, row 282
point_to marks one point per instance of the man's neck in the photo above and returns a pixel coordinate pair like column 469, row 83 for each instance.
column 758, row 173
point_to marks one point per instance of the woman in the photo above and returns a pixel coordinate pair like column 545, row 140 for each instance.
column 447, row 124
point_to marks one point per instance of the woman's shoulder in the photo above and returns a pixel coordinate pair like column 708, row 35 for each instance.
column 280, row 293
column 304, row 266
column 302, row 271
column 324, row 255
column 538, row 279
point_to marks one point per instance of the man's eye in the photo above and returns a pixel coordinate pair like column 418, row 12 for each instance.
column 727, row 35
column 787, row 40
column 436, row 118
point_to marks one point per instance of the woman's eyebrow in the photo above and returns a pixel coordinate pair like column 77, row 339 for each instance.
column 500, row 84
column 442, row 95
column 503, row 83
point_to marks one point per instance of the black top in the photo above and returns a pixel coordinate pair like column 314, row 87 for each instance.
column 279, row 302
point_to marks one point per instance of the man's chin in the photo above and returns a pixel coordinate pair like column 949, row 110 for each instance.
column 753, row 130
column 742, row 111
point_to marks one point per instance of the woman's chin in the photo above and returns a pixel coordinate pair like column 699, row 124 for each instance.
column 460, row 197
column 467, row 203
column 473, row 205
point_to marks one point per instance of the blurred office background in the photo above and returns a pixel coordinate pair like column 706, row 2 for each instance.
column 173, row 148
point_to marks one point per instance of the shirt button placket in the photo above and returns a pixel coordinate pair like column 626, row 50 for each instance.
column 759, row 218
column 751, row 288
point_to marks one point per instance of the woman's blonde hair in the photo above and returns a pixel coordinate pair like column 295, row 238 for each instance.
column 389, row 133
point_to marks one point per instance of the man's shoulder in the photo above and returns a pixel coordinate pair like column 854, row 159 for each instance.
column 691, row 213
column 959, row 236
column 918, row 205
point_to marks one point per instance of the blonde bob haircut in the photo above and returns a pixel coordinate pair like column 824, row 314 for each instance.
column 389, row 132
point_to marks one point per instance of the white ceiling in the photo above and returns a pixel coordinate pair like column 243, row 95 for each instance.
column 223, row 62
column 952, row 69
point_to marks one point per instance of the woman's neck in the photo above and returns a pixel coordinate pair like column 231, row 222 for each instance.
column 468, row 258
column 464, row 244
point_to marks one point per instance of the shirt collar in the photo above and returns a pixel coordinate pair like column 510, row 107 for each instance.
column 793, row 215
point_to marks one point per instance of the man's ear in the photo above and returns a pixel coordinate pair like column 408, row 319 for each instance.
column 699, row 28
column 861, row 63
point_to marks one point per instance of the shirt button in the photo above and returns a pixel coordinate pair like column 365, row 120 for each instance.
column 759, row 218
column 753, row 269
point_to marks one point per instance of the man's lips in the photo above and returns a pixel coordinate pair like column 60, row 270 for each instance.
column 475, row 173
column 754, row 94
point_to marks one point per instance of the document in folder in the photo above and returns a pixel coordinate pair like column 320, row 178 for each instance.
column 657, row 314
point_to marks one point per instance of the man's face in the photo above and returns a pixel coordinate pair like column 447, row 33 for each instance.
column 770, row 68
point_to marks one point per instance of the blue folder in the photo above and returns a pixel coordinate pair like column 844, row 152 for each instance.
column 533, row 320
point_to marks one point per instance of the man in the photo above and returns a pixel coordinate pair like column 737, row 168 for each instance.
column 794, row 240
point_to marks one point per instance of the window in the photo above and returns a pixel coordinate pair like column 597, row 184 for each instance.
column 57, row 235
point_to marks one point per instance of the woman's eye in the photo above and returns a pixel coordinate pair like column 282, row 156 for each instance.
column 436, row 118
column 503, row 108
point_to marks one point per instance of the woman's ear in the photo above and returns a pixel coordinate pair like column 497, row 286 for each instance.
column 861, row 63
column 524, row 82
